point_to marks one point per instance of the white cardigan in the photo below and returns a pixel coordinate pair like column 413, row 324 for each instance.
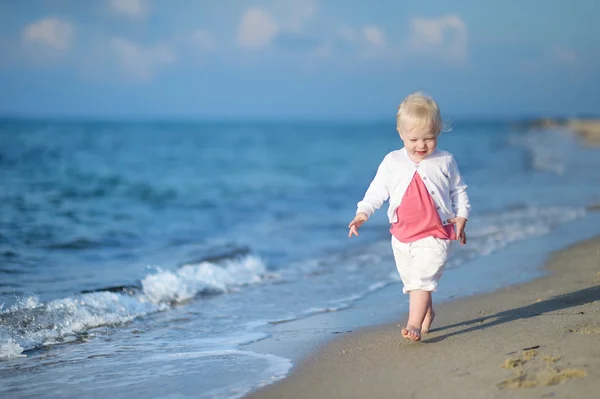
column 439, row 173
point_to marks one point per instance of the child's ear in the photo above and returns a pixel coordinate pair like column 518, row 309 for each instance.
column 400, row 133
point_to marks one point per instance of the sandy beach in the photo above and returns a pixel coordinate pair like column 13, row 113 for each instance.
column 587, row 129
column 536, row 340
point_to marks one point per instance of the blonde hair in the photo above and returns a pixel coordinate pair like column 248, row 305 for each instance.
column 419, row 111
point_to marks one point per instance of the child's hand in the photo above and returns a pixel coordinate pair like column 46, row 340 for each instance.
column 358, row 220
column 460, row 224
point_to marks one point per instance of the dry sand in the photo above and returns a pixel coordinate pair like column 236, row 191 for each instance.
column 536, row 340
column 587, row 129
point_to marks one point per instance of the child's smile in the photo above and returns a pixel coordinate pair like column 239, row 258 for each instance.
column 418, row 143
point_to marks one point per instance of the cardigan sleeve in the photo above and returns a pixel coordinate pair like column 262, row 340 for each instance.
column 378, row 191
column 458, row 191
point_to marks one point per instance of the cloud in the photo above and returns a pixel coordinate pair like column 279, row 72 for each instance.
column 374, row 35
column 294, row 14
column 203, row 39
column 445, row 36
column 564, row 54
column 135, row 9
column 51, row 32
column 142, row 62
column 257, row 29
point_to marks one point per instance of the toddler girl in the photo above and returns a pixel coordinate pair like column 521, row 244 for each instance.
column 428, row 206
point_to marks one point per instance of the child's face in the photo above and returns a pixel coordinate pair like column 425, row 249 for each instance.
column 419, row 143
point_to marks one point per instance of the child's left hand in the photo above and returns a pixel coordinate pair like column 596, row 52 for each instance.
column 460, row 224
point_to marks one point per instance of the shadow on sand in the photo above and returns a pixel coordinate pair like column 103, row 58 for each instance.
column 556, row 303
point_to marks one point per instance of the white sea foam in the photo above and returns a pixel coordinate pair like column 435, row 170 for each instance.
column 59, row 320
column 28, row 302
column 494, row 232
column 206, row 277
column 378, row 285
column 10, row 349
column 29, row 324
column 226, row 342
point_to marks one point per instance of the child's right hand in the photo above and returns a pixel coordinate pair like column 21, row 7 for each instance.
column 358, row 220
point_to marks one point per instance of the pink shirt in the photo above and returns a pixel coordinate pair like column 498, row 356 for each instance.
column 417, row 216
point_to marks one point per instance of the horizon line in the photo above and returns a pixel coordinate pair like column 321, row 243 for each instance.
column 276, row 119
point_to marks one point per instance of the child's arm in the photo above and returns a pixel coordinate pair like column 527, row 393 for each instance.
column 458, row 192
column 460, row 201
column 376, row 195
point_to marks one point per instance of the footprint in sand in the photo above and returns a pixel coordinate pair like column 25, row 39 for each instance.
column 585, row 329
column 532, row 370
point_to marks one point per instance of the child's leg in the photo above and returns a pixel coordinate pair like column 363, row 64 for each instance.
column 428, row 257
column 420, row 302
column 420, row 265
column 429, row 316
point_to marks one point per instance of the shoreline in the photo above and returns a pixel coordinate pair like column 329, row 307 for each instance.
column 537, row 338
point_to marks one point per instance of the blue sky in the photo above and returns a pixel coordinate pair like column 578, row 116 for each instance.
column 339, row 59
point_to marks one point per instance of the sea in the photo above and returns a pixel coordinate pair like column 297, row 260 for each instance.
column 148, row 258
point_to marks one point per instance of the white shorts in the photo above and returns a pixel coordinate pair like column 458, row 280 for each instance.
column 420, row 263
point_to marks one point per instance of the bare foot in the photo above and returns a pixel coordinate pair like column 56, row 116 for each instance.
column 411, row 333
column 427, row 322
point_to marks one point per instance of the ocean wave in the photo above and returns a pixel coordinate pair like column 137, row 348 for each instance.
column 492, row 232
column 204, row 278
column 29, row 324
